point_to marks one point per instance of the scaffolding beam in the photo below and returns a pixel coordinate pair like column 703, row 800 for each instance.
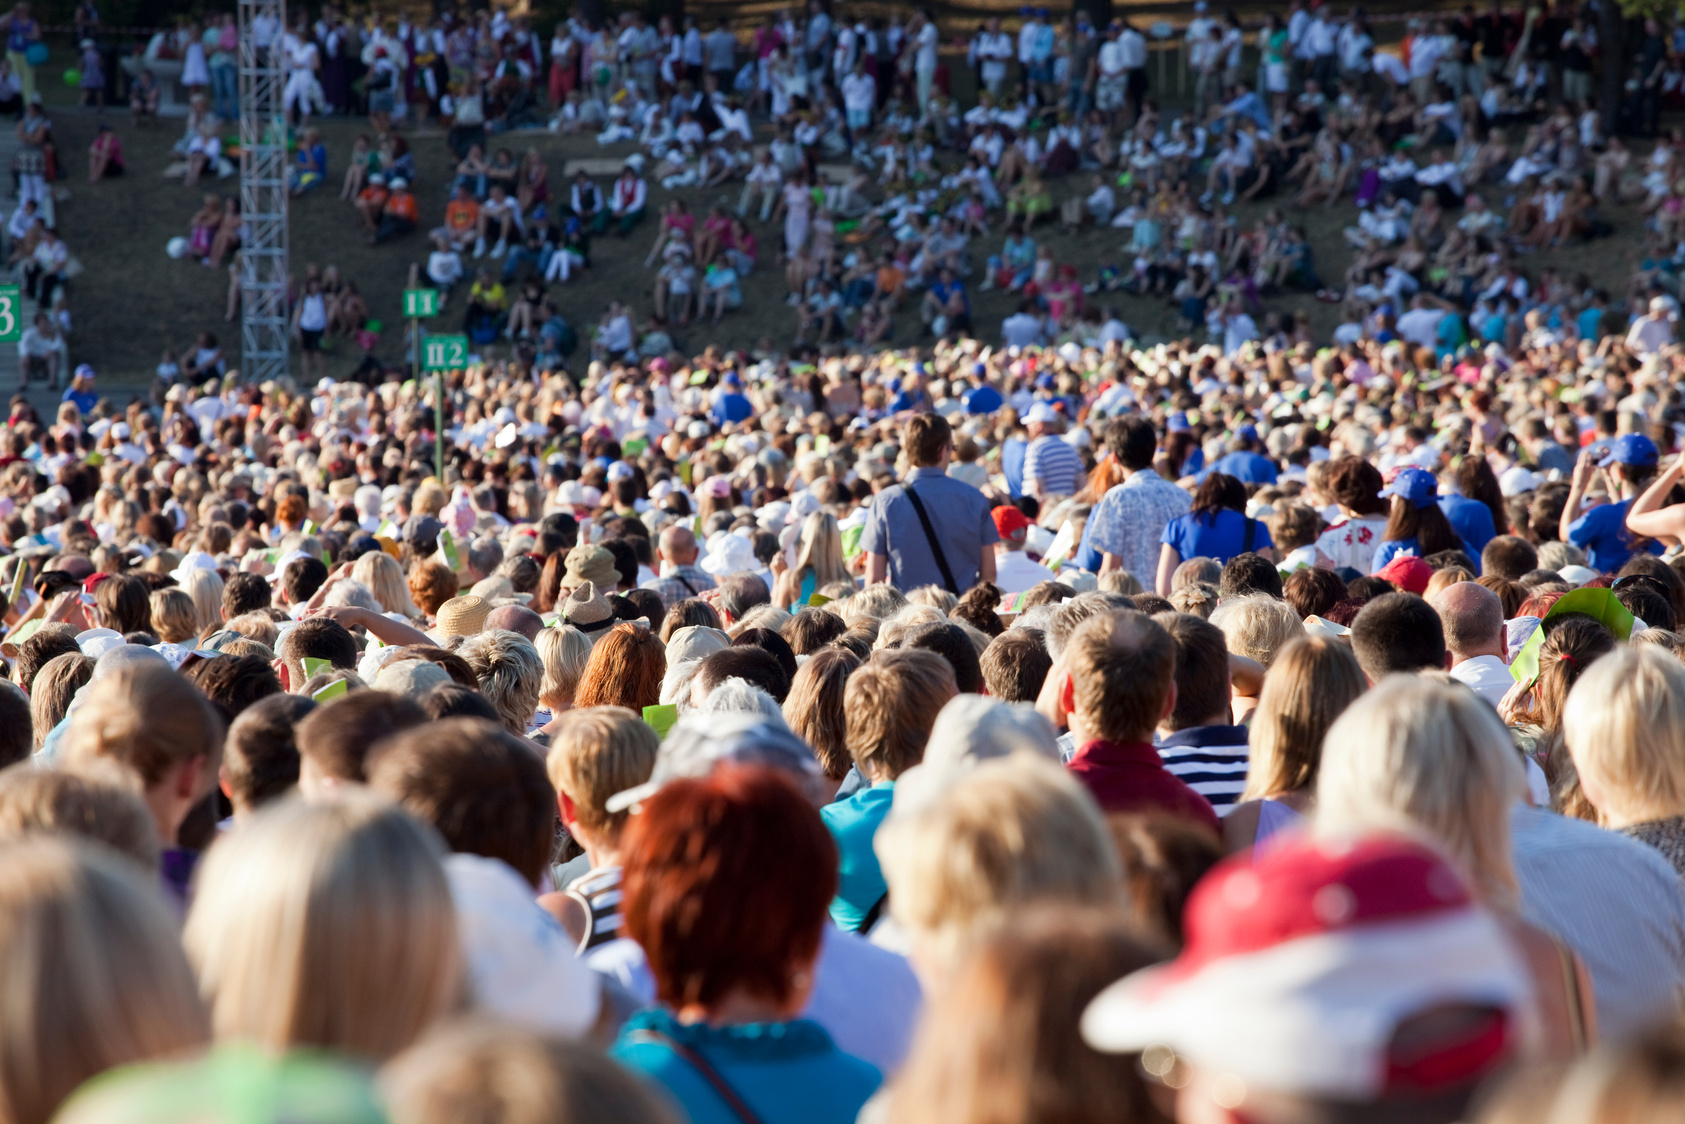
column 263, row 191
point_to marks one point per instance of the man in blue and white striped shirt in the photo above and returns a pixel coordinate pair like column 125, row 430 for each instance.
column 1203, row 748
column 1052, row 468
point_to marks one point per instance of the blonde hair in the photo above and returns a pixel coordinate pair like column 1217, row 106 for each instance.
column 1625, row 1082
column 1312, row 683
column 257, row 626
column 595, row 753
column 907, row 618
column 326, row 925
column 820, row 551
column 174, row 617
column 1624, row 725
column 565, row 650
column 34, row 800
column 1421, row 754
column 204, row 586
column 1256, row 627
column 381, row 574
column 934, row 596
column 1008, row 832
column 493, row 1074
column 509, row 673
column 93, row 973
column 875, row 603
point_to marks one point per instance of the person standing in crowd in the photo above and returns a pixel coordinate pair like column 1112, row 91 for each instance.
column 931, row 529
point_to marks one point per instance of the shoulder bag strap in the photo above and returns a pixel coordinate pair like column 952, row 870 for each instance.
column 712, row 1076
column 1251, row 532
column 873, row 915
column 584, row 903
column 930, row 536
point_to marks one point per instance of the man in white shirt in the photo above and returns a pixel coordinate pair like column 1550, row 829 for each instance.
column 994, row 51
column 1022, row 328
column 1015, row 571
column 924, row 64
column 1650, row 333
column 1134, row 47
column 860, row 94
column 1421, row 324
column 1473, row 618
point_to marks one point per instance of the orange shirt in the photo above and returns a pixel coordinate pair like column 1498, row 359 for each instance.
column 462, row 214
column 374, row 194
column 401, row 204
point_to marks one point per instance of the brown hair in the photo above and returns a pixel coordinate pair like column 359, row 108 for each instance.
column 146, row 718
column 431, row 585
column 924, row 437
column 50, row 800
column 625, row 669
column 1312, row 591
column 481, row 787
column 49, row 642
column 596, row 753
column 1163, row 858
column 124, row 604
column 686, row 613
column 1356, row 484
column 1311, row 683
column 892, row 702
column 1294, row 525
column 1015, row 665
column 260, row 761
column 1121, row 666
column 1001, row 1043
column 55, row 685
column 811, row 629
column 814, row 707
column 337, row 737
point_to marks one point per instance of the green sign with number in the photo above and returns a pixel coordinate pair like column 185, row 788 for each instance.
column 445, row 353
column 11, row 314
column 421, row 302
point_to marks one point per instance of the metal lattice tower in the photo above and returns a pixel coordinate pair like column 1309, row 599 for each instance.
column 263, row 194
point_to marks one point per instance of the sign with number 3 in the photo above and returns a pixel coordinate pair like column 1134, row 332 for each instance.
column 11, row 314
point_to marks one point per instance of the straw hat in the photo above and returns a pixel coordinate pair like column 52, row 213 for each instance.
column 587, row 610
column 410, row 678
column 343, row 489
column 462, row 616
column 590, row 565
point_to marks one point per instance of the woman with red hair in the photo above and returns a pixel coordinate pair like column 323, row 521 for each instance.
column 727, row 881
column 625, row 669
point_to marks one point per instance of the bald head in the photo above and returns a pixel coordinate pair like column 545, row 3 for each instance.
column 515, row 618
column 678, row 545
column 1473, row 617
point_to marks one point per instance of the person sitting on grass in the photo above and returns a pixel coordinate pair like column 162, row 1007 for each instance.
column 143, row 98
column 105, row 154
column 627, row 200
column 371, row 201
column 310, row 166
column 499, row 213
column 399, row 216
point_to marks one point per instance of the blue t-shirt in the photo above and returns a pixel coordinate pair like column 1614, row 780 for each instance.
column 1472, row 520
column 983, row 400
column 731, row 408
column 1390, row 549
column 1590, row 323
column 853, row 823
column 1012, row 453
column 1248, row 468
column 1602, row 534
column 85, row 400
column 1220, row 535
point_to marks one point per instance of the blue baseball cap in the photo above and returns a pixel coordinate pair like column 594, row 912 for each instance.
column 732, row 378
column 1247, row 433
column 1176, row 423
column 1416, row 485
column 1630, row 448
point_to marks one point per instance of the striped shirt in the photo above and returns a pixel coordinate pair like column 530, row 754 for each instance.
column 599, row 892
column 1211, row 760
column 1617, row 903
column 1056, row 464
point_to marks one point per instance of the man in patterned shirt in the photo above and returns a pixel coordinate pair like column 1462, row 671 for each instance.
column 1129, row 520
column 1052, row 468
column 680, row 577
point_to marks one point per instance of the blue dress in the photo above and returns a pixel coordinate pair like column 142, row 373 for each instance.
column 853, row 823
column 787, row 1073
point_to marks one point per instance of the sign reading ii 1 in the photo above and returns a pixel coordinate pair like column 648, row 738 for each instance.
column 445, row 353
column 421, row 302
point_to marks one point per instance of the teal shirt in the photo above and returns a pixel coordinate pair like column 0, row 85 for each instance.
column 853, row 823
column 787, row 1073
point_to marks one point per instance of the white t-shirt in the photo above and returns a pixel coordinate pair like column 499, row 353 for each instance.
column 927, row 47
column 859, row 91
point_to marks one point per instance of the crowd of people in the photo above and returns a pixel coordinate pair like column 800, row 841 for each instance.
column 1247, row 729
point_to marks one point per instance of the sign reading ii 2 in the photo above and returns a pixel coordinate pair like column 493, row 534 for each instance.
column 445, row 353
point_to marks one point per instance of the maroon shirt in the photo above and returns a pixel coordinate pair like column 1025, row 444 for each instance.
column 1130, row 777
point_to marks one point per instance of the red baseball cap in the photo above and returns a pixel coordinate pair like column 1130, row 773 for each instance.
column 1408, row 573
column 1302, row 961
column 1010, row 522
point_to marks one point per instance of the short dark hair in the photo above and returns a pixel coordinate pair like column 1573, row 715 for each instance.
column 1312, row 591
column 1398, row 632
column 233, row 683
column 453, row 700
column 811, row 629
column 1508, row 556
column 949, row 641
column 260, row 755
column 924, row 437
column 1202, row 669
column 48, row 643
column 245, row 592
column 769, row 641
column 1015, row 665
column 318, row 638
column 302, row 578
column 17, row 731
column 1647, row 605
column 1133, row 441
column 1249, row 573
column 755, row 666
column 485, row 790
column 337, row 737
